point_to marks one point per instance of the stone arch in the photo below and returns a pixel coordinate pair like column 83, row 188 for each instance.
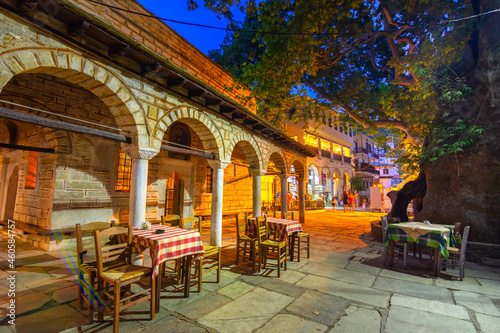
column 86, row 73
column 200, row 122
column 278, row 157
column 250, row 148
column 298, row 167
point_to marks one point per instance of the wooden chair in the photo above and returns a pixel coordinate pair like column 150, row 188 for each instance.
column 265, row 244
column 457, row 255
column 301, row 237
column 212, row 253
column 397, row 245
column 243, row 241
column 171, row 220
column 114, row 280
column 86, row 262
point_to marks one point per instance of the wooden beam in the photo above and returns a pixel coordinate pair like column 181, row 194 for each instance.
column 150, row 68
column 26, row 5
column 18, row 147
column 176, row 82
column 187, row 151
column 57, row 124
column 78, row 29
column 118, row 51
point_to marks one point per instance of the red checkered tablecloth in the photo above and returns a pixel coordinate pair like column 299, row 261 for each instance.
column 174, row 243
column 282, row 227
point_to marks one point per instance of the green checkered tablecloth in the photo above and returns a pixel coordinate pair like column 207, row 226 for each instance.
column 433, row 238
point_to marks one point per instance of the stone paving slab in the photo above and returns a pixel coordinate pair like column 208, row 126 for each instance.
column 358, row 319
column 476, row 302
column 353, row 292
column 246, row 313
column 411, row 320
column 440, row 308
column 335, row 273
column 289, row 323
column 319, row 307
column 488, row 324
column 204, row 305
column 413, row 289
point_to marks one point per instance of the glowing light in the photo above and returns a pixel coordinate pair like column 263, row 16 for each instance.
column 310, row 140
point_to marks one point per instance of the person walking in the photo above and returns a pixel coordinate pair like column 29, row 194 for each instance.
column 345, row 201
column 351, row 201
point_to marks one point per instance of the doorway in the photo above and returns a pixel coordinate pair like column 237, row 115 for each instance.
column 173, row 195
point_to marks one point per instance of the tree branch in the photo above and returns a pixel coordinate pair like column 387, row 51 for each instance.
column 401, row 125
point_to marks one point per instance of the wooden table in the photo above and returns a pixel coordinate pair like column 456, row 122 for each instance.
column 281, row 227
column 174, row 243
column 435, row 236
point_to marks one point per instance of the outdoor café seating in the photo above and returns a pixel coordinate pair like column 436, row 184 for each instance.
column 457, row 255
column 302, row 240
column 86, row 264
column 267, row 247
column 244, row 242
column 116, row 281
column 212, row 254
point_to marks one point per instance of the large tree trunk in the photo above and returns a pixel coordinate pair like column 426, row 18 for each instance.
column 466, row 187
column 411, row 190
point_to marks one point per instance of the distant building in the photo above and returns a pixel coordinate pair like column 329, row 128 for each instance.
column 330, row 171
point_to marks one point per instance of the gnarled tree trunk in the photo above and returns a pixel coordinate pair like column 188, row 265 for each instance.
column 466, row 187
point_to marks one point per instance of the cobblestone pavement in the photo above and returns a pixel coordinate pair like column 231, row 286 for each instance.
column 343, row 287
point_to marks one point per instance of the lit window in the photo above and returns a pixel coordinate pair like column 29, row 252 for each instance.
column 336, row 148
column 310, row 140
column 347, row 152
column 31, row 170
column 124, row 173
column 209, row 179
column 325, row 145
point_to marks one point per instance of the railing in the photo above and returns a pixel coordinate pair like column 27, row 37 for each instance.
column 360, row 150
column 367, row 168
column 347, row 159
column 325, row 153
column 337, row 157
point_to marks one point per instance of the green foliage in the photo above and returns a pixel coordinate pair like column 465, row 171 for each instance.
column 327, row 58
column 357, row 184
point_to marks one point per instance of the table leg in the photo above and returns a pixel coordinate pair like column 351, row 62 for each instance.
column 391, row 253
column 158, row 286
column 187, row 272
column 436, row 262
column 292, row 245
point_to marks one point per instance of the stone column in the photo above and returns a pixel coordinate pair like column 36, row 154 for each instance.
column 138, row 189
column 302, row 203
column 284, row 197
column 256, row 189
column 139, row 183
column 217, row 200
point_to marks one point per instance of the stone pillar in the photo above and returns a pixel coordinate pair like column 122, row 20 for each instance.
column 284, row 197
column 256, row 189
column 139, row 183
column 217, row 200
column 138, row 188
column 302, row 203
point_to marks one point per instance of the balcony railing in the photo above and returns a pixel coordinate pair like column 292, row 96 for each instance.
column 325, row 153
column 347, row 159
column 360, row 150
column 337, row 157
column 365, row 167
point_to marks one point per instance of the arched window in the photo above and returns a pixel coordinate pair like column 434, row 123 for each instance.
column 179, row 135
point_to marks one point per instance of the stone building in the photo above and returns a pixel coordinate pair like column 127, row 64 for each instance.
column 330, row 169
column 108, row 115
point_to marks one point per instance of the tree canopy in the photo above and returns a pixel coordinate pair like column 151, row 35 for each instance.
column 372, row 63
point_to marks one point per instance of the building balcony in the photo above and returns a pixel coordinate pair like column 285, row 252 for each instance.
column 365, row 167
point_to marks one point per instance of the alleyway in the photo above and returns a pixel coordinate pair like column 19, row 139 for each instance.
column 343, row 287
